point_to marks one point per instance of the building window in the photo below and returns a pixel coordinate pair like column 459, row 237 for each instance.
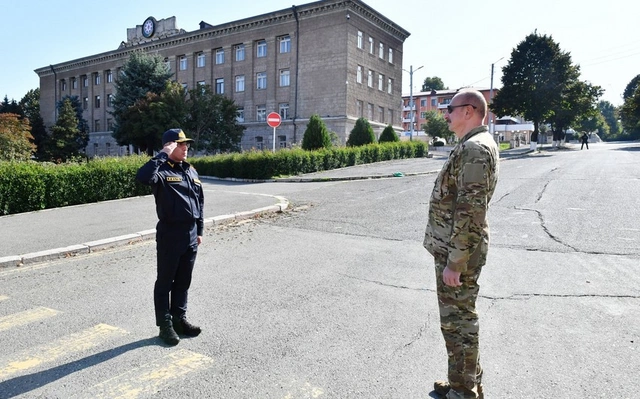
column 261, row 48
column 96, row 125
column 285, row 44
column 220, row 86
column 284, row 77
column 240, row 115
column 360, row 40
column 370, row 111
column 63, row 85
column 423, row 115
column 370, row 78
column 380, row 81
column 390, row 119
column 183, row 63
column 167, row 63
column 96, row 78
column 219, row 56
column 284, row 110
column 390, row 86
column 239, row 83
column 359, row 108
column 390, row 55
column 201, row 84
column 423, row 102
column 370, row 45
column 97, row 101
column 283, row 141
column 240, row 52
column 109, row 124
column 434, row 102
column 359, row 74
column 259, row 142
column 74, row 83
column 201, row 60
column 110, row 98
column 381, row 51
column 261, row 113
column 95, row 149
column 381, row 114
column 85, row 103
column 85, row 81
column 109, row 77
column 108, row 148
column 261, row 79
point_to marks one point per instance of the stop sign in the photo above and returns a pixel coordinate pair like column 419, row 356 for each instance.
column 273, row 119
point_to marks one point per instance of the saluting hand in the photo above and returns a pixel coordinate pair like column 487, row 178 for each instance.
column 169, row 147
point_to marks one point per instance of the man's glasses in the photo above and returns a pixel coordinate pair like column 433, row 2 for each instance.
column 188, row 145
column 450, row 108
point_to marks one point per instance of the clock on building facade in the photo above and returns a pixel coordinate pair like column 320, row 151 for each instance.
column 149, row 27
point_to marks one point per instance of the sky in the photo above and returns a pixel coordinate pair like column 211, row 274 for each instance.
column 455, row 40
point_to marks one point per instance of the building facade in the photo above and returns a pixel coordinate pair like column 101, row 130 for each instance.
column 339, row 59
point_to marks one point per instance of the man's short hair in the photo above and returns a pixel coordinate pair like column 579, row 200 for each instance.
column 473, row 96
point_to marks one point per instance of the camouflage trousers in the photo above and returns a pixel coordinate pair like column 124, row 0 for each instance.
column 459, row 325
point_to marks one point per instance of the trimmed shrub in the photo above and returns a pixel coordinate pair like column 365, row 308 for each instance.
column 388, row 135
column 316, row 136
column 361, row 134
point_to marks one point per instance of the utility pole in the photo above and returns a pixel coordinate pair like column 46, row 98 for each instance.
column 411, row 71
column 491, row 115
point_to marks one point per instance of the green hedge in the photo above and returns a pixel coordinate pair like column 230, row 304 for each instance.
column 31, row 186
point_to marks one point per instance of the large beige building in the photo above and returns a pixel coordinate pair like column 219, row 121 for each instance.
column 339, row 59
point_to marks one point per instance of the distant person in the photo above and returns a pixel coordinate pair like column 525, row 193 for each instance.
column 457, row 235
column 585, row 141
column 179, row 205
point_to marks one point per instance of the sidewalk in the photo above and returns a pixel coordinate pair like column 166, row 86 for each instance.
column 39, row 236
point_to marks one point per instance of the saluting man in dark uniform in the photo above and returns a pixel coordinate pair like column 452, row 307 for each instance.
column 179, row 204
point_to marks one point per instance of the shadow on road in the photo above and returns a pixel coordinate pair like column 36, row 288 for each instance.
column 26, row 383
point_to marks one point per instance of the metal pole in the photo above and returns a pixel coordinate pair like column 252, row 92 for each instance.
column 411, row 102
column 274, row 139
column 491, row 115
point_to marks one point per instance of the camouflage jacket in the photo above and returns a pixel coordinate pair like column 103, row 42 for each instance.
column 457, row 225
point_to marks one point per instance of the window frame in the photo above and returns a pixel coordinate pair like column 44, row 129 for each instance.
column 261, row 48
column 261, row 81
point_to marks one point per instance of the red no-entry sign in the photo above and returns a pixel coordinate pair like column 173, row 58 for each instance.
column 273, row 119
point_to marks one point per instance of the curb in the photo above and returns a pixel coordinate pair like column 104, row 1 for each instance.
column 128, row 239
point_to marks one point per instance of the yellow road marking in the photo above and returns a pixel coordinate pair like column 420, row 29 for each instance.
column 26, row 317
column 149, row 378
column 73, row 343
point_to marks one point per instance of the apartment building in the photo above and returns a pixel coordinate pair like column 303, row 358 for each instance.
column 339, row 59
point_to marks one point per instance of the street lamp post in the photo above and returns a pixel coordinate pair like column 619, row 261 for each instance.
column 491, row 115
column 411, row 71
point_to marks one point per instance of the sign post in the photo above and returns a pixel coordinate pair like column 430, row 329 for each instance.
column 274, row 120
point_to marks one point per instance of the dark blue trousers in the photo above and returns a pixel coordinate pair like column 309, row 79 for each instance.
column 177, row 248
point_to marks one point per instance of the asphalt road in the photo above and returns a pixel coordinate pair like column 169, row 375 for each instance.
column 335, row 298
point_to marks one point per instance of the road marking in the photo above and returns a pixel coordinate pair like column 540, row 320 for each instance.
column 47, row 353
column 3, row 298
column 26, row 317
column 149, row 378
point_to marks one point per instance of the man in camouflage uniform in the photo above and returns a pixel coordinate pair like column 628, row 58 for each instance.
column 457, row 236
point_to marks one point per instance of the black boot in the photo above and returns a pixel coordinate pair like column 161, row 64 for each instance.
column 183, row 327
column 168, row 334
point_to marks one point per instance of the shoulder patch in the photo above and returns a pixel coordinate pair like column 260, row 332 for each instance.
column 473, row 173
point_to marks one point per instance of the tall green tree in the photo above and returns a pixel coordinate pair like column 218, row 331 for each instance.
column 83, row 125
column 433, row 83
column 212, row 121
column 144, row 122
column 316, row 136
column 10, row 107
column 630, row 110
column 361, row 134
column 436, row 125
column 16, row 141
column 533, row 81
column 66, row 140
column 610, row 114
column 578, row 102
column 142, row 73
column 30, row 105
column 388, row 135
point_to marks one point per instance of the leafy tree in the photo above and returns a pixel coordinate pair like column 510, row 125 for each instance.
column 142, row 73
column 436, row 125
column 316, row 136
column 15, row 138
column 534, row 81
column 212, row 121
column 83, row 125
column 66, row 138
column 578, row 102
column 10, row 107
column 609, row 113
column 388, row 135
column 433, row 83
column 361, row 134
column 30, row 105
column 595, row 122
column 630, row 110
column 144, row 122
